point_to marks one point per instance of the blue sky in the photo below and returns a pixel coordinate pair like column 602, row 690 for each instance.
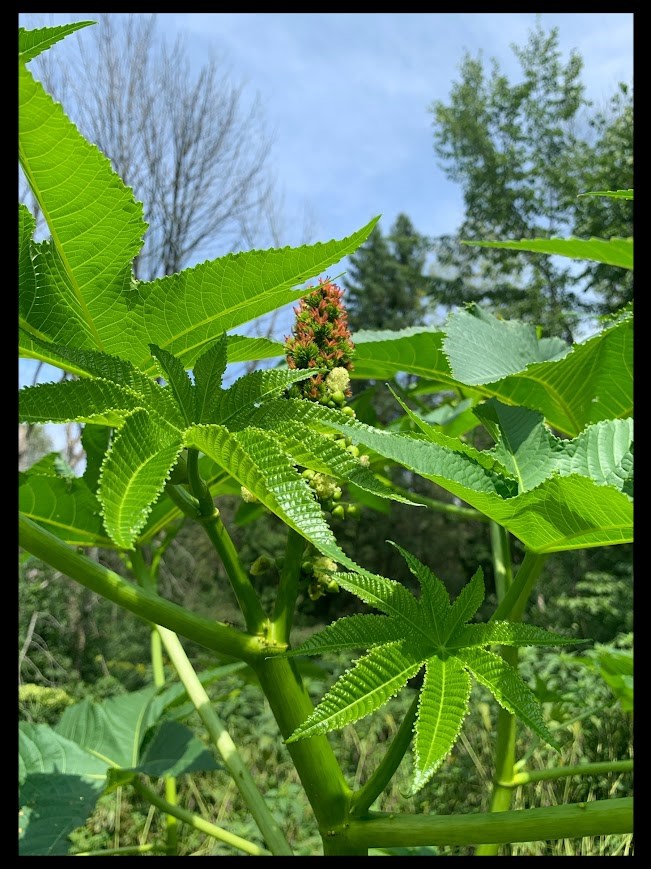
column 346, row 98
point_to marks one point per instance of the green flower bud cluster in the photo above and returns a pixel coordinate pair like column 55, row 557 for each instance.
column 262, row 564
column 318, row 573
column 328, row 492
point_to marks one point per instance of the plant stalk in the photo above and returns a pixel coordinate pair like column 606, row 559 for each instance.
column 222, row 741
column 363, row 799
column 506, row 723
column 223, row 639
column 254, row 615
column 283, row 614
column 314, row 759
column 574, row 820
column 599, row 768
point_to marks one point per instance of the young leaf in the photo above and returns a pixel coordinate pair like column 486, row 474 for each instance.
column 179, row 382
column 414, row 633
column 208, row 372
column 442, row 708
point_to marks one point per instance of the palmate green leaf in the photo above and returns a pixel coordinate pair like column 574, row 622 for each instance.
column 95, row 439
column 463, row 462
column 241, row 348
column 237, row 405
column 66, row 508
column 134, row 473
column 42, row 750
column 508, row 634
column 561, row 513
column 612, row 251
column 182, row 313
column 415, row 633
column 59, row 786
column 32, row 42
column 84, row 292
column 602, row 452
column 417, row 350
column 434, row 598
column 351, row 632
column 465, row 604
column 26, row 226
column 436, row 436
column 593, row 381
column 113, row 730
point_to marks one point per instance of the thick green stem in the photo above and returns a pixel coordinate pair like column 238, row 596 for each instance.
column 223, row 639
column 222, row 741
column 247, row 598
column 515, row 600
column 363, row 799
column 506, row 724
column 599, row 768
column 254, row 615
column 504, row 761
column 314, row 759
column 283, row 614
column 197, row 822
column 501, row 559
column 197, row 486
column 596, row 818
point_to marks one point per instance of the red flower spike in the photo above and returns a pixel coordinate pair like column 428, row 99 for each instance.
column 320, row 339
